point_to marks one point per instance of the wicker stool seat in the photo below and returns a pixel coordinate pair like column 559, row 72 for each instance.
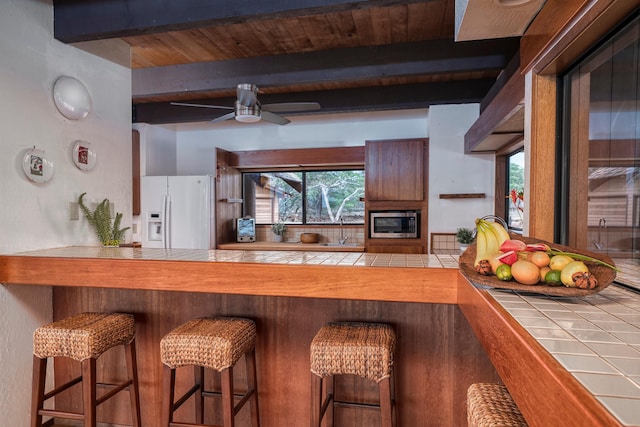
column 217, row 344
column 491, row 405
column 84, row 338
column 352, row 348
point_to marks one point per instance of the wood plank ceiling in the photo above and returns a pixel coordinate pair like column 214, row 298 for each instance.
column 346, row 55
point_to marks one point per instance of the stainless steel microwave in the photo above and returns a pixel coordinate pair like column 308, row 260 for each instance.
column 394, row 224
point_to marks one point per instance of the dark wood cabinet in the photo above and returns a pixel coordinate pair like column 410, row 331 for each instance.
column 396, row 178
column 395, row 170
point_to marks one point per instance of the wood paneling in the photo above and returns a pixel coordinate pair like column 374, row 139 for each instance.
column 395, row 170
column 546, row 393
column 540, row 183
column 228, row 187
column 565, row 29
column 333, row 157
column 504, row 107
column 437, row 355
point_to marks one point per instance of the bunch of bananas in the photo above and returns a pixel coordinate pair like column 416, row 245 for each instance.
column 489, row 238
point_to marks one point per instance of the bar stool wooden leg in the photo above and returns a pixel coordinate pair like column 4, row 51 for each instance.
column 89, row 391
column 386, row 405
column 227, row 397
column 329, row 412
column 168, row 387
column 316, row 400
column 37, row 397
column 198, row 376
column 252, row 384
column 134, row 391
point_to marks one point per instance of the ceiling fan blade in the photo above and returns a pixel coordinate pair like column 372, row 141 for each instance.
column 247, row 94
column 227, row 116
column 291, row 106
column 186, row 104
column 274, row 118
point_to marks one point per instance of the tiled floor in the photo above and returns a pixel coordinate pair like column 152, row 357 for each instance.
column 596, row 338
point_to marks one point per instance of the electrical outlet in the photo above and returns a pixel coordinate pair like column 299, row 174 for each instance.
column 74, row 211
column 134, row 228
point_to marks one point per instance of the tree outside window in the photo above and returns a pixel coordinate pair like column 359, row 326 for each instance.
column 305, row 197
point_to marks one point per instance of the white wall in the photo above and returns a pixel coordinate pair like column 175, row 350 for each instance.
column 452, row 171
column 36, row 216
column 196, row 142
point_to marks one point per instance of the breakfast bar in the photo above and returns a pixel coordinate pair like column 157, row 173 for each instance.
column 450, row 333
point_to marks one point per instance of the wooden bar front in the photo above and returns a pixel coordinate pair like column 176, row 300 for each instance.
column 437, row 354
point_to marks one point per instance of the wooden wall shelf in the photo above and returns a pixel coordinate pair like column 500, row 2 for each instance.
column 463, row 196
column 231, row 200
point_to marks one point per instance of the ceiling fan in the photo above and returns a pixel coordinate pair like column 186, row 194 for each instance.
column 248, row 109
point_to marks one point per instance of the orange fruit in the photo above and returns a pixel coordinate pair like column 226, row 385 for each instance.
column 539, row 258
column 525, row 272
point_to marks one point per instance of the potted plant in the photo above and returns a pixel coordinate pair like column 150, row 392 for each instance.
column 464, row 236
column 107, row 229
column 278, row 228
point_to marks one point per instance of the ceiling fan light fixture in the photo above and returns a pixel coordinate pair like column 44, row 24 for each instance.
column 247, row 114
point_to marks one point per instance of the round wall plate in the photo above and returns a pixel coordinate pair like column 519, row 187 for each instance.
column 84, row 157
column 71, row 98
column 36, row 167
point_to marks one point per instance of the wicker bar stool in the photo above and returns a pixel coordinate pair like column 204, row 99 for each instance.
column 491, row 405
column 84, row 337
column 217, row 344
column 356, row 348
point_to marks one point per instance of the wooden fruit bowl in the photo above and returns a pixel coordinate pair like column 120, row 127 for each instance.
column 605, row 275
column 309, row 237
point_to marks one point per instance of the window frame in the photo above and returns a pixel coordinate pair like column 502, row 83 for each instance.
column 304, row 172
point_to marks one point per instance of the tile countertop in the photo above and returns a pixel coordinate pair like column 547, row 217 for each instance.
column 253, row 256
column 596, row 338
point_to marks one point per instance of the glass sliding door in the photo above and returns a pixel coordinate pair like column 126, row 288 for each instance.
column 602, row 148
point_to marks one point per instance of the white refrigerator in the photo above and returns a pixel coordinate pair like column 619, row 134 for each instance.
column 178, row 212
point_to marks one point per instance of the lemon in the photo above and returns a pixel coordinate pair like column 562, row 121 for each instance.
column 558, row 262
column 503, row 272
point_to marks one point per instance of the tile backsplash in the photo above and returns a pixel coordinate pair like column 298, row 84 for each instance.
column 329, row 234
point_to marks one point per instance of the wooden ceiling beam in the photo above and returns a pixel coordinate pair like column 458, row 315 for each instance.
column 85, row 20
column 330, row 66
column 338, row 101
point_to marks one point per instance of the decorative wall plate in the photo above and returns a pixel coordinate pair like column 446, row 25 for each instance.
column 84, row 157
column 36, row 166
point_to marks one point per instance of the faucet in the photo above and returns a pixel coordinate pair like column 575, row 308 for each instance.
column 602, row 224
column 342, row 239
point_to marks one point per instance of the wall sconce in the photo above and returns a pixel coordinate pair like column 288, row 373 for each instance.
column 71, row 98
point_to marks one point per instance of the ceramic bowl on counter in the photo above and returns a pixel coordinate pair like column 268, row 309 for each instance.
column 309, row 237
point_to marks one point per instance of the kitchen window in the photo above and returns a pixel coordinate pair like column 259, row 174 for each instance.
column 304, row 197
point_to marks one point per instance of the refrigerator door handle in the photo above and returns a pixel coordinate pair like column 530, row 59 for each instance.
column 167, row 222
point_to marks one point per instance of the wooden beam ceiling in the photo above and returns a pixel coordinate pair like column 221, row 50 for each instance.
column 83, row 20
column 332, row 66
column 347, row 55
